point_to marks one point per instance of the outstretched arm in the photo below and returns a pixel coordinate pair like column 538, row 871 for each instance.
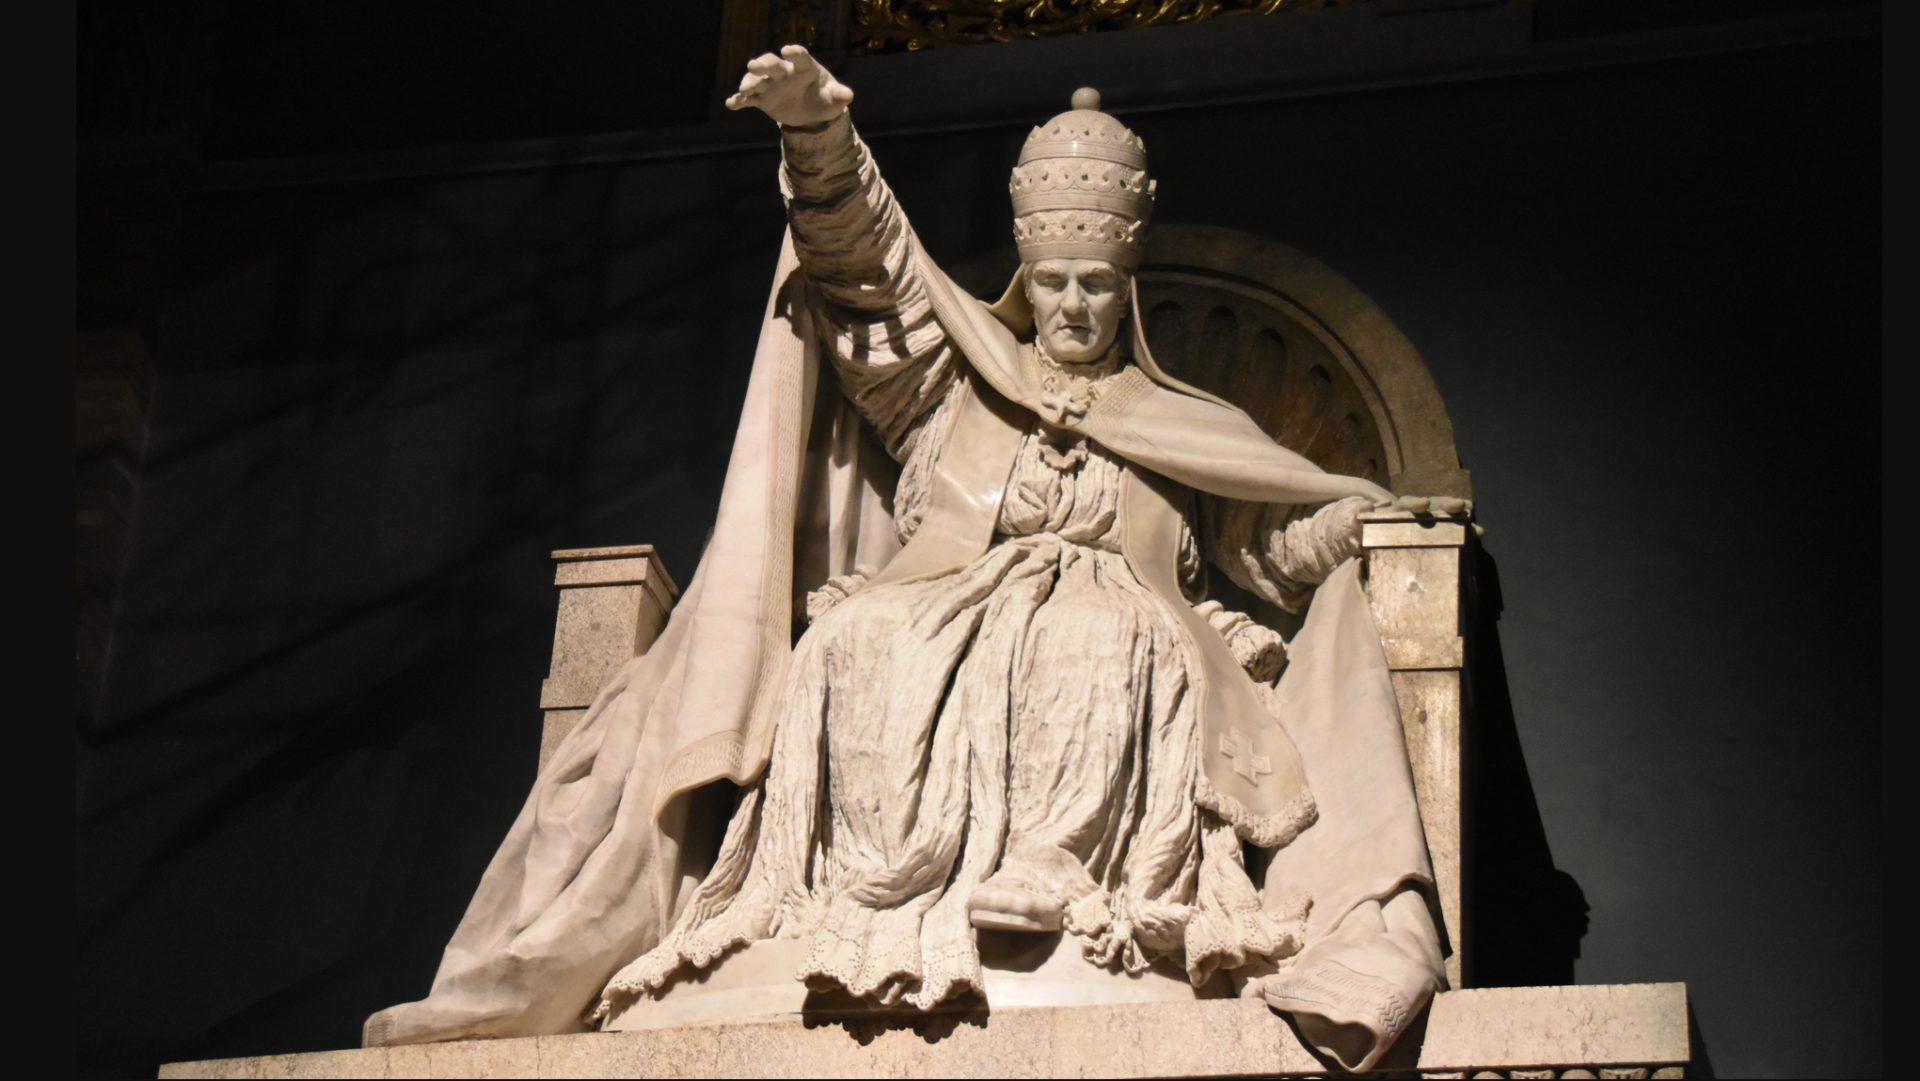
column 1280, row 552
column 854, row 244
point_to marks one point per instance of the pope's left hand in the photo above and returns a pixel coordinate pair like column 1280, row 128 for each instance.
column 1427, row 504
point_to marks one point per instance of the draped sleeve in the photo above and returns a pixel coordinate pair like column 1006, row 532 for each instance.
column 1280, row 551
column 894, row 360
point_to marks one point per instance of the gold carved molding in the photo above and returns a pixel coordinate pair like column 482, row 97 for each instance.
column 895, row 25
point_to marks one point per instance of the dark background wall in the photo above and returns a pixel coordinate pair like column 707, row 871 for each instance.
column 1649, row 292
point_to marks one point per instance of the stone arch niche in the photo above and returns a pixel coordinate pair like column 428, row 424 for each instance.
column 1308, row 355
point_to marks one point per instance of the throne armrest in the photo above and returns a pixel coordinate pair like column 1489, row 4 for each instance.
column 1417, row 586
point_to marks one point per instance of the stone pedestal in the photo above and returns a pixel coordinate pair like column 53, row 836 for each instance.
column 1415, row 584
column 1627, row 1030
column 613, row 603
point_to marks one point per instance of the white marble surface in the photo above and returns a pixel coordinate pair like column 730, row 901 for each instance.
column 1623, row 1030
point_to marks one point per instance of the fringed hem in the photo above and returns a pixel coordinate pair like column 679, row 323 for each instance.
column 849, row 948
column 1265, row 830
column 648, row 974
column 700, row 949
column 936, row 978
column 1226, row 941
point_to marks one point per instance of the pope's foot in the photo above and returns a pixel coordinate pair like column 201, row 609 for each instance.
column 997, row 906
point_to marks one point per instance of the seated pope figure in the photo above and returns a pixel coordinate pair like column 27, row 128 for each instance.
column 1009, row 707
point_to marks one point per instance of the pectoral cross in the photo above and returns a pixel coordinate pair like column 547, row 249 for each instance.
column 1245, row 762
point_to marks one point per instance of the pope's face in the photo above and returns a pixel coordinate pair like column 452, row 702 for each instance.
column 1077, row 306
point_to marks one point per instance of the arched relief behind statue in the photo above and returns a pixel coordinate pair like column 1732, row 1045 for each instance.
column 1255, row 349
column 1312, row 358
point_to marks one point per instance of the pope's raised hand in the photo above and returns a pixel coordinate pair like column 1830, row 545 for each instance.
column 792, row 88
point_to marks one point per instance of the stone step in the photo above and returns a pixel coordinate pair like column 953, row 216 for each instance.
column 1617, row 1030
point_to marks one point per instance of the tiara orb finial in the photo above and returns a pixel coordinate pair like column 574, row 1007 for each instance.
column 1086, row 98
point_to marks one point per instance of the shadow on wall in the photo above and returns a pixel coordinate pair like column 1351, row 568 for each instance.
column 1527, row 916
column 1701, row 1065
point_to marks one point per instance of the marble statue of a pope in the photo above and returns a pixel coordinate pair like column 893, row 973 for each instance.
column 971, row 684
